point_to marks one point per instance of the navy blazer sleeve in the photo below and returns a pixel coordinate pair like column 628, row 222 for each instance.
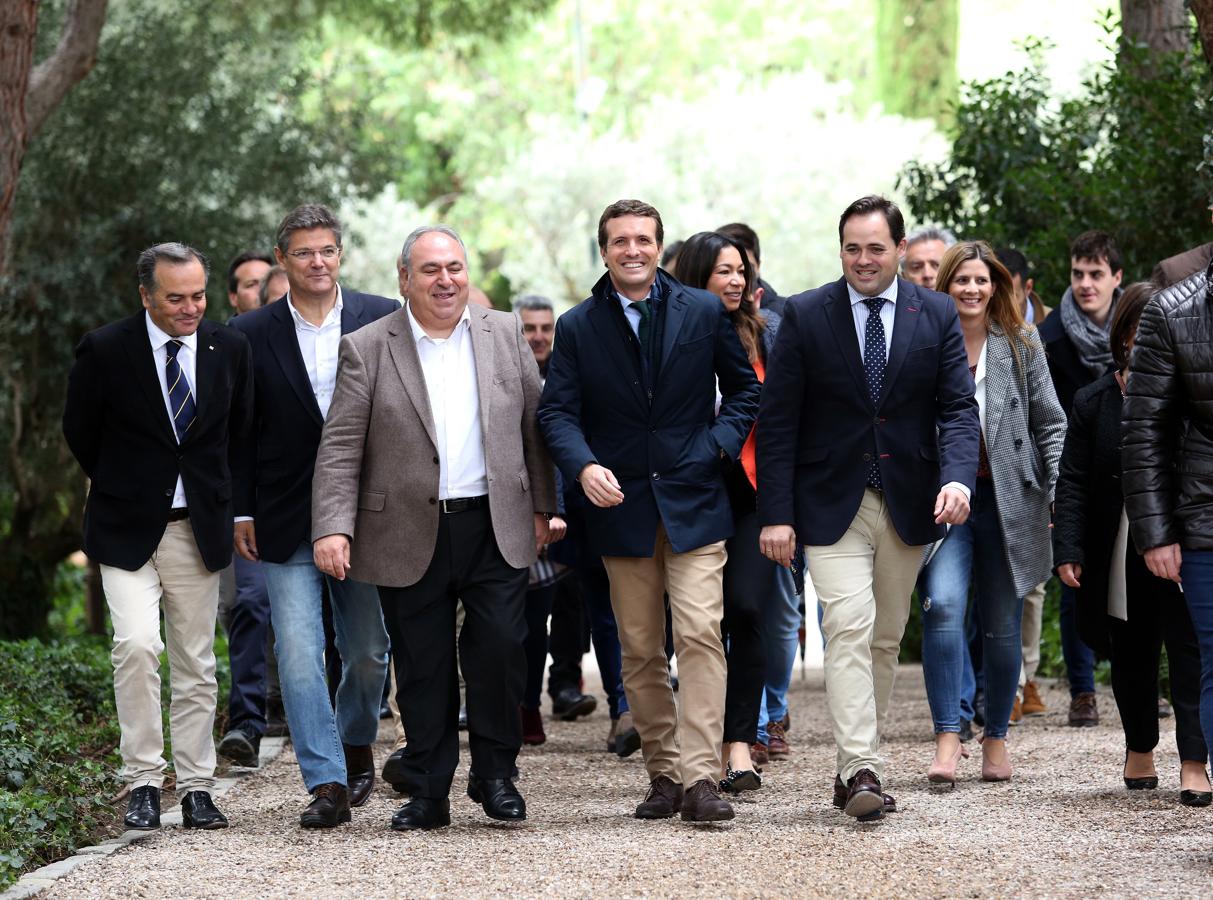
column 559, row 411
column 957, row 417
column 783, row 397
column 738, row 388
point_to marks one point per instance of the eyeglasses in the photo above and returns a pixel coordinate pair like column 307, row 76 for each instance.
column 323, row 253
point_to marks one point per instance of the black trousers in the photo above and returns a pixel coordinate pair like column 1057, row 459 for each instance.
column 569, row 639
column 1158, row 616
column 420, row 621
column 538, row 607
column 749, row 585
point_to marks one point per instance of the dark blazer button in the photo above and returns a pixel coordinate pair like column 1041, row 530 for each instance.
column 433, row 501
column 1014, row 401
column 656, row 477
column 169, row 492
column 867, row 457
column 436, row 460
column 1018, row 443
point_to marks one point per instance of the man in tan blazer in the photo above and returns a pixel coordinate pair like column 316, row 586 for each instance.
column 433, row 483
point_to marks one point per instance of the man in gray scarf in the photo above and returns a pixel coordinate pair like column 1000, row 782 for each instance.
column 1076, row 344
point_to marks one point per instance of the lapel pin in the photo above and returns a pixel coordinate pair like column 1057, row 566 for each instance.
column 210, row 346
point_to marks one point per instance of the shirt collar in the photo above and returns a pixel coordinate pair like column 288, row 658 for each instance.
column 889, row 293
column 654, row 295
column 419, row 333
column 160, row 338
column 335, row 312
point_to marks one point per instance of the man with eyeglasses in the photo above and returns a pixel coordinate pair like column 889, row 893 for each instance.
column 295, row 369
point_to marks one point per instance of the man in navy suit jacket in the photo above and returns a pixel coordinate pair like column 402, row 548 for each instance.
column 628, row 412
column 295, row 345
column 867, row 447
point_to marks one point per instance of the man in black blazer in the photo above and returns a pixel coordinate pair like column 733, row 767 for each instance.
column 151, row 403
column 867, row 447
column 294, row 345
column 628, row 411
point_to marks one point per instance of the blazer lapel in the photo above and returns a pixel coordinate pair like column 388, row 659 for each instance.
column 403, row 350
column 206, row 370
column 675, row 312
column 285, row 346
column 352, row 312
column 143, row 364
column 998, row 382
column 842, row 323
column 905, row 323
column 602, row 317
column 481, row 333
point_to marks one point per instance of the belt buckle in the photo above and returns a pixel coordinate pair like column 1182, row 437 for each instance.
column 444, row 505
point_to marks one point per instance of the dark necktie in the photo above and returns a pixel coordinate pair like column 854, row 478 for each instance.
column 180, row 399
column 646, row 324
column 874, row 358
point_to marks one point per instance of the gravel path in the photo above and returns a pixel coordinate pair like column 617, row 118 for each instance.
column 1064, row 826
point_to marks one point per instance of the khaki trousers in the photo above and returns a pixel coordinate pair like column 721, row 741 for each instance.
column 177, row 576
column 863, row 585
column 397, row 722
column 681, row 743
column 1033, row 609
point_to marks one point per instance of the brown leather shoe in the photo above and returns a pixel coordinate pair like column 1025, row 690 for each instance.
column 759, row 754
column 840, row 799
column 329, row 808
column 662, row 801
column 359, row 772
column 1084, row 713
column 777, row 741
column 703, row 803
column 863, row 794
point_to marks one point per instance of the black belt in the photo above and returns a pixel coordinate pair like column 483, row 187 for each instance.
column 463, row 504
column 176, row 515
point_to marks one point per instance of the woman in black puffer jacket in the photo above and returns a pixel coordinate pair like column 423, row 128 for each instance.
column 1124, row 612
column 1168, row 453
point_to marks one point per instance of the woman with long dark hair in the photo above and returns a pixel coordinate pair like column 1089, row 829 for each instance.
column 1003, row 549
column 717, row 263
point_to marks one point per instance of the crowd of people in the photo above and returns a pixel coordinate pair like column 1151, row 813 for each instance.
column 674, row 472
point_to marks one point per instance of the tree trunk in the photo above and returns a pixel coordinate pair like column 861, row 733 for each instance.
column 28, row 94
column 1156, row 26
column 18, row 28
column 916, row 56
column 1203, row 10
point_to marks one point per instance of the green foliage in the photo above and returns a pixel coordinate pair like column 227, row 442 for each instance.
column 916, row 43
column 58, row 732
column 1131, row 153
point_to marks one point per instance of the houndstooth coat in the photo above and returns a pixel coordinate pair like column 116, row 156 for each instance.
column 1024, row 429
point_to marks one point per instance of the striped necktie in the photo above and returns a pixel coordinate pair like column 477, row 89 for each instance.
column 180, row 398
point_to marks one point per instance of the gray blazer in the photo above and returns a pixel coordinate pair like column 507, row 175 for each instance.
column 1024, row 429
column 377, row 467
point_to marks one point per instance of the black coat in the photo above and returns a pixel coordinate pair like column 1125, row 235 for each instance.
column 658, row 433
column 1065, row 365
column 1168, row 419
column 273, row 464
column 117, row 425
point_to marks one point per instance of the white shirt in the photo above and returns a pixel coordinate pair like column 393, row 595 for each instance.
column 631, row 313
column 449, row 367
column 319, row 345
column 860, row 313
column 187, row 358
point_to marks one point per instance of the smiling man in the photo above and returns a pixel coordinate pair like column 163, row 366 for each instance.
column 152, row 402
column 924, row 252
column 432, row 482
column 629, row 413
column 867, row 448
column 295, row 365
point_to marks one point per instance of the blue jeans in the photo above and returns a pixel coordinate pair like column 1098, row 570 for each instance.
column 317, row 732
column 974, row 551
column 247, row 628
column 782, row 640
column 1197, row 574
column 1080, row 660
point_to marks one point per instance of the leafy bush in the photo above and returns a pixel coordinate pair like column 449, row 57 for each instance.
column 58, row 734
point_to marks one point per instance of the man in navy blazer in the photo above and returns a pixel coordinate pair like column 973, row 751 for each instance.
column 867, row 447
column 628, row 412
column 294, row 346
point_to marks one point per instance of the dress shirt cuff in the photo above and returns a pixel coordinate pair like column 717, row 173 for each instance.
column 243, row 519
column 963, row 488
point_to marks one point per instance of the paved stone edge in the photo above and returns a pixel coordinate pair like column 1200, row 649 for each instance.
column 33, row 883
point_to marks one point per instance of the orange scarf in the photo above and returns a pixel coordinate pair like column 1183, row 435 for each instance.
column 749, row 457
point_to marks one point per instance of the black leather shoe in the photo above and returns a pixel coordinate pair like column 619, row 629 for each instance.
column 393, row 769
column 499, row 798
column 1195, row 798
column 627, row 738
column 198, row 810
column 242, row 746
column 143, row 809
column 570, row 703
column 359, row 772
column 329, row 808
column 966, row 730
column 422, row 814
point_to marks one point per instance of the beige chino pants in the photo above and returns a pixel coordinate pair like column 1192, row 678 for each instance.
column 1033, row 610
column 863, row 584
column 177, row 576
column 681, row 742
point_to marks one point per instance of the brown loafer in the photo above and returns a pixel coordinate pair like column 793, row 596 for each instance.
column 840, row 799
column 777, row 741
column 359, row 772
column 662, row 801
column 863, row 794
column 759, row 754
column 703, row 803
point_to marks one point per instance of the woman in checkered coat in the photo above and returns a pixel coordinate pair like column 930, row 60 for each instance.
column 1004, row 547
